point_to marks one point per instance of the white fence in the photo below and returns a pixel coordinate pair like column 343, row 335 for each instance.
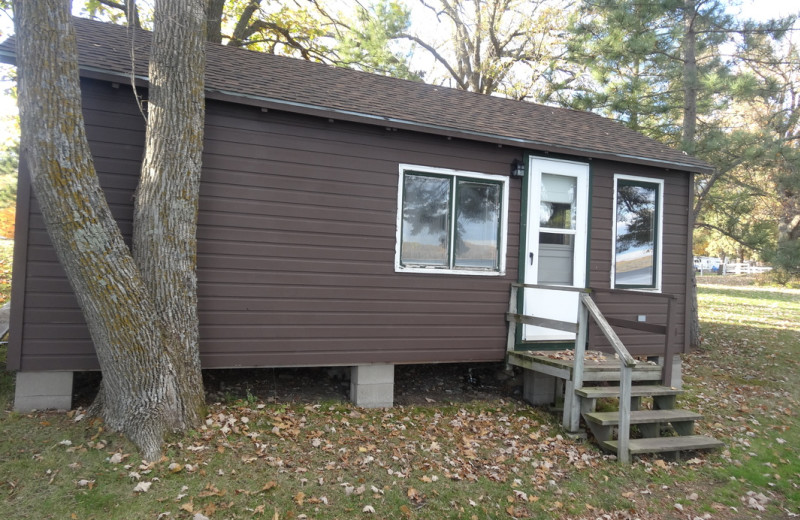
column 744, row 269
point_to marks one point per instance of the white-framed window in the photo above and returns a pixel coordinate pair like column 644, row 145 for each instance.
column 451, row 221
column 638, row 225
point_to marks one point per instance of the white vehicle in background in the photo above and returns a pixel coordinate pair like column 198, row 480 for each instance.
column 707, row 263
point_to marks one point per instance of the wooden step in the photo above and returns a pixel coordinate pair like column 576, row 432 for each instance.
column 649, row 422
column 666, row 444
column 643, row 417
column 597, row 392
column 641, row 373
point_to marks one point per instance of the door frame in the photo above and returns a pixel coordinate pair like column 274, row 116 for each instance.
column 525, row 209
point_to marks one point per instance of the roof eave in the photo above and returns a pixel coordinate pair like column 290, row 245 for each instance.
column 444, row 131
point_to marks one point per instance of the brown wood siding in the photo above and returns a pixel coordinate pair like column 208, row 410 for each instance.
column 296, row 244
column 674, row 257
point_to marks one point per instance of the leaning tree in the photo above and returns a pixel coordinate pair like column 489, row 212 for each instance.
column 140, row 305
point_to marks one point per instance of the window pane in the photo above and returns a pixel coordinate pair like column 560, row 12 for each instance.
column 636, row 234
column 426, row 202
column 558, row 201
column 477, row 224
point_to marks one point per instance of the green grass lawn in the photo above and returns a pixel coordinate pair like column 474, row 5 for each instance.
column 484, row 459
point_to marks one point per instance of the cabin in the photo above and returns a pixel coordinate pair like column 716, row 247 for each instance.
column 354, row 220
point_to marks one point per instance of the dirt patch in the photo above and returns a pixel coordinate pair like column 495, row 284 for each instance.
column 413, row 384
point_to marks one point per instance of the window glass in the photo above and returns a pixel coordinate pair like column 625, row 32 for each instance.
column 426, row 220
column 636, row 229
column 477, row 224
column 451, row 221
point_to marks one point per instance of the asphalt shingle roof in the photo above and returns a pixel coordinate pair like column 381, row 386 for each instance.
column 296, row 85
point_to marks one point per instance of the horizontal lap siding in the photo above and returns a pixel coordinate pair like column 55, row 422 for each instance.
column 674, row 259
column 296, row 240
column 53, row 334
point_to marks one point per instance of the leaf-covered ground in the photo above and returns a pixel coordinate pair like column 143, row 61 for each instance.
column 457, row 448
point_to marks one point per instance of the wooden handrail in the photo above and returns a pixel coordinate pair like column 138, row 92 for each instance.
column 589, row 308
column 666, row 330
column 624, row 356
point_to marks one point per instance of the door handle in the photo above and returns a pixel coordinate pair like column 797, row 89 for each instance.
column 530, row 255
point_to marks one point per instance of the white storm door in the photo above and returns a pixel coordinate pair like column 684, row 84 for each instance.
column 557, row 233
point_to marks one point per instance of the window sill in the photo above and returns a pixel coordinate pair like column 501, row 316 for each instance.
column 639, row 289
column 441, row 270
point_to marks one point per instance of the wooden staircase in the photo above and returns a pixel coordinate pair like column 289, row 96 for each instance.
column 643, row 401
column 662, row 427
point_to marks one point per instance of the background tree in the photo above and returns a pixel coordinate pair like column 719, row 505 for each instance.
column 286, row 27
column 506, row 47
column 665, row 69
column 150, row 374
column 9, row 164
column 364, row 39
column 758, row 203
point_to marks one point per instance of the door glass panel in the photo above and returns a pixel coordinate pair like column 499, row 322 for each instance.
column 426, row 210
column 556, row 238
column 477, row 224
column 558, row 201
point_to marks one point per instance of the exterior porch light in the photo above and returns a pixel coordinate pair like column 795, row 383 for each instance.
column 517, row 168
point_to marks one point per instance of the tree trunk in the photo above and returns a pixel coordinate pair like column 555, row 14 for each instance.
column 695, row 337
column 214, row 20
column 165, row 212
column 142, row 394
column 690, row 86
column 690, row 89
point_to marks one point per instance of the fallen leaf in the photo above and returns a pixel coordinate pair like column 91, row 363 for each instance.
column 368, row 509
column 142, row 487
column 116, row 458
